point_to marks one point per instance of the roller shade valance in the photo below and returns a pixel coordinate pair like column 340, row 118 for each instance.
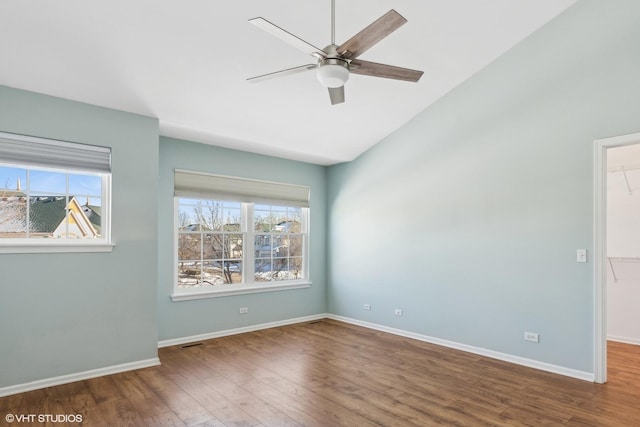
column 221, row 187
column 32, row 151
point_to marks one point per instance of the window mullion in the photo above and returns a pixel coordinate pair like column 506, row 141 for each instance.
column 67, row 206
column 306, row 226
column 202, row 256
column 28, row 201
column 248, row 247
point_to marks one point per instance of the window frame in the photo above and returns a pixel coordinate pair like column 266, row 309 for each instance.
column 248, row 285
column 61, row 245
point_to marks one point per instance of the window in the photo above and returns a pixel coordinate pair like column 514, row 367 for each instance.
column 209, row 243
column 278, row 242
column 54, row 195
column 238, row 236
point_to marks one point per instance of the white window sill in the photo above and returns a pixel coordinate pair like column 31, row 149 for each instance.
column 239, row 290
column 54, row 247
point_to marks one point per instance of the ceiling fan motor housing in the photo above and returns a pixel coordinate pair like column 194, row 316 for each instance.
column 333, row 72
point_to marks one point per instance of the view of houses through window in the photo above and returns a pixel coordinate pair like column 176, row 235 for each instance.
column 47, row 203
column 221, row 242
column 278, row 242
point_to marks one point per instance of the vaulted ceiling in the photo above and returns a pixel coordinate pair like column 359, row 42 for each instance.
column 186, row 63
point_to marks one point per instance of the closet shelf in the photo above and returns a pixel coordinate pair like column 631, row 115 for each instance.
column 612, row 259
column 624, row 174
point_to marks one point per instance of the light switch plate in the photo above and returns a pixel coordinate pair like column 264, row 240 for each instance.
column 581, row 255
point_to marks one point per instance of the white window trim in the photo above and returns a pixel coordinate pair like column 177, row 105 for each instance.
column 105, row 244
column 238, row 290
column 247, row 270
column 55, row 247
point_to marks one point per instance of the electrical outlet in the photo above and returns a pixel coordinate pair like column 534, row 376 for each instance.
column 244, row 310
column 531, row 336
column 398, row 312
column 366, row 307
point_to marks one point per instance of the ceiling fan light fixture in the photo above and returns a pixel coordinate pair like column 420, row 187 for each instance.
column 333, row 73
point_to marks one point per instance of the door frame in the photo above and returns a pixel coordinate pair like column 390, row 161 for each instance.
column 600, row 248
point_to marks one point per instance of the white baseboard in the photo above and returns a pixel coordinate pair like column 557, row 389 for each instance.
column 543, row 366
column 624, row 340
column 78, row 376
column 235, row 331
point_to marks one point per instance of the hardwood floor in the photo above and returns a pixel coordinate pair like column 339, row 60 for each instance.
column 329, row 373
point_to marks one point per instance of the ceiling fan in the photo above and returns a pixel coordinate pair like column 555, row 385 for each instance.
column 335, row 63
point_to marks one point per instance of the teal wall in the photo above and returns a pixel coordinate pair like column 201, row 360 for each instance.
column 468, row 218
column 188, row 318
column 66, row 313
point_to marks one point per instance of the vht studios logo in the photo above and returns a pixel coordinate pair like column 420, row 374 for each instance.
column 43, row 418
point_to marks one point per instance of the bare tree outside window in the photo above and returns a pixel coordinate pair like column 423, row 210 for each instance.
column 209, row 243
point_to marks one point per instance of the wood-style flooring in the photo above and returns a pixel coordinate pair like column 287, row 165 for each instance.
column 328, row 373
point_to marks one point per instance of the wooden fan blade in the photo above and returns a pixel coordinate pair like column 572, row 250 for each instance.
column 369, row 36
column 336, row 94
column 368, row 68
column 287, row 37
column 281, row 73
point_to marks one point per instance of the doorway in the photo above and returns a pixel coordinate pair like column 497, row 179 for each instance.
column 604, row 265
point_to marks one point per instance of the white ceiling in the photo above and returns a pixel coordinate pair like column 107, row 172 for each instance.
column 186, row 63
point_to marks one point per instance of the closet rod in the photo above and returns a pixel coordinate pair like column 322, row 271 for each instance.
column 622, row 168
